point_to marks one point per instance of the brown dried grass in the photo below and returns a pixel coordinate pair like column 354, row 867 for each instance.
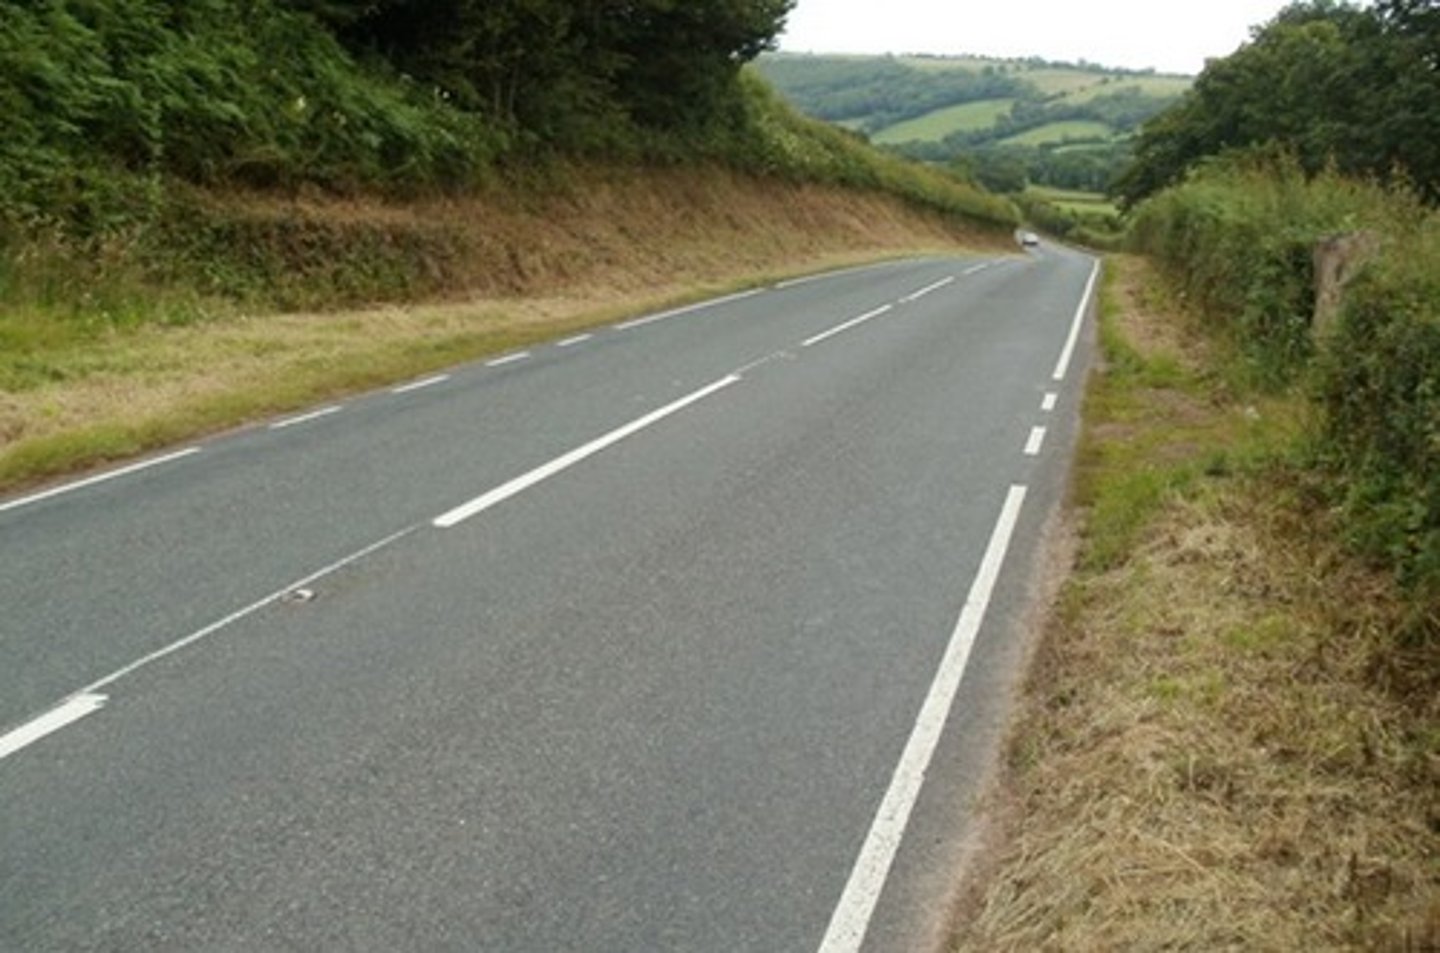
column 1210, row 755
column 522, row 267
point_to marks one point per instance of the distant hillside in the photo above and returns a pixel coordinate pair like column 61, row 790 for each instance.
column 1067, row 125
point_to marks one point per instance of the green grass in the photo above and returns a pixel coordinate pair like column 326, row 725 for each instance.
column 1081, row 147
column 971, row 64
column 1051, row 81
column 932, row 127
column 1056, row 132
column 1148, row 85
column 1073, row 201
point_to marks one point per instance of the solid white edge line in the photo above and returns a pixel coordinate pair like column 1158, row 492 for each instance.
column 577, row 339
column 306, row 418
column 687, row 309
column 851, row 918
column 523, row 482
column 1048, row 404
column 824, row 335
column 421, row 384
column 1036, row 441
column 1063, row 365
column 98, row 478
column 508, row 359
column 916, row 296
column 67, row 713
column 239, row 614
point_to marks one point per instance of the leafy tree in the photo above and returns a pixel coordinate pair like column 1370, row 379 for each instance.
column 566, row 71
column 1328, row 82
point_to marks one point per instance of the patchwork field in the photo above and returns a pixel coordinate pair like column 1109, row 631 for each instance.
column 933, row 127
column 1058, row 132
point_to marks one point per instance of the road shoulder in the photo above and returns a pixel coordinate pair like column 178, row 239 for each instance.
column 1222, row 741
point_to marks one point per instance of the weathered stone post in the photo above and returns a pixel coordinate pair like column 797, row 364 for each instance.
column 1338, row 259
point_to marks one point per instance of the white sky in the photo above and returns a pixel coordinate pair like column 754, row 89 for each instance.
column 1173, row 36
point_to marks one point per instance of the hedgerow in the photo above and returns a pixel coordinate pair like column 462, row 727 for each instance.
column 1238, row 239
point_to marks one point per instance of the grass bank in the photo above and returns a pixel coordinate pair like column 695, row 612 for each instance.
column 1231, row 734
column 133, row 365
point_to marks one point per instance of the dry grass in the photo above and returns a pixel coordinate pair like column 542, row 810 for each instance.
column 1227, row 741
column 530, row 267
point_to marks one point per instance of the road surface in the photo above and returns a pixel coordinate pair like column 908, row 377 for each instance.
column 690, row 633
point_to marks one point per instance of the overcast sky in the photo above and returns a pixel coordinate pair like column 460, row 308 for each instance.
column 1174, row 36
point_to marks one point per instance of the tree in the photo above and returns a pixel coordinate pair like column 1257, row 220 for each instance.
column 556, row 68
column 682, row 57
column 1327, row 82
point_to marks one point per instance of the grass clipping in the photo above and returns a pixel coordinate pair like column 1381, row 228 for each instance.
column 1226, row 745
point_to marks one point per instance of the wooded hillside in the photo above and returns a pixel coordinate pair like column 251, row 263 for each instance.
column 1005, row 121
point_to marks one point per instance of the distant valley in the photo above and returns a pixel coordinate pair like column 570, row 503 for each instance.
column 1059, row 124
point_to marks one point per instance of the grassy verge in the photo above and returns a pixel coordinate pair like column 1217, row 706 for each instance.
column 78, row 388
column 1230, row 739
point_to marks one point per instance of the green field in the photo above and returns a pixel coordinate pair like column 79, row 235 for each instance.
column 1067, row 81
column 1148, row 85
column 940, row 64
column 932, row 127
column 1073, row 201
column 1081, row 147
column 1057, row 132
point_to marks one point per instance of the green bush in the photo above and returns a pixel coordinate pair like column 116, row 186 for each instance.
column 105, row 98
column 1238, row 239
column 1379, row 383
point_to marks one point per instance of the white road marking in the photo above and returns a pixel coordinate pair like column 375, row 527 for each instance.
column 851, row 919
column 778, row 355
column 99, row 478
column 824, row 335
column 1048, row 404
column 916, row 296
column 236, row 616
column 421, row 385
column 1063, row 365
column 577, row 339
column 67, row 713
column 676, row 312
column 807, row 279
column 1036, row 441
column 523, row 482
column 508, row 359
column 976, row 269
column 306, row 418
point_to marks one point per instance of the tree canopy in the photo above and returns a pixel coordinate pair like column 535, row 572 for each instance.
column 103, row 98
column 1330, row 83
column 561, row 69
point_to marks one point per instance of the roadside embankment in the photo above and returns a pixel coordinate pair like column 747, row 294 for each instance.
column 132, row 361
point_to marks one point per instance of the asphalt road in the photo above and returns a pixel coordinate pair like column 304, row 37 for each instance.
column 643, row 640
